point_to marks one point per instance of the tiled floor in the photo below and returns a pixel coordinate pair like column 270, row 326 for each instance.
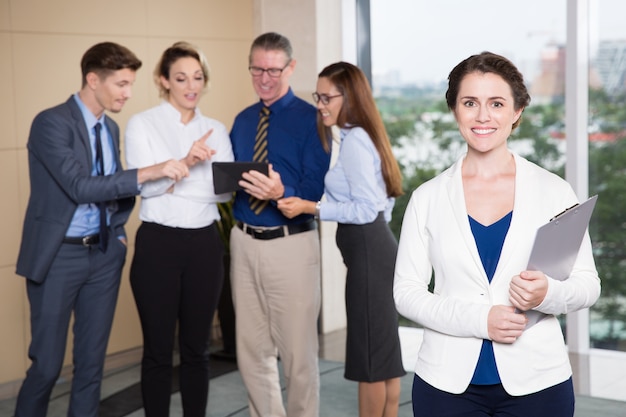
column 227, row 395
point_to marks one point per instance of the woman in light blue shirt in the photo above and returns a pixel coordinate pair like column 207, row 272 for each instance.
column 360, row 193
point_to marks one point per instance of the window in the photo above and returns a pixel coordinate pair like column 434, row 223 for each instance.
column 415, row 44
column 607, row 177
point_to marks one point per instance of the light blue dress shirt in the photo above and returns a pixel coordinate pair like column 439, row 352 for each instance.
column 86, row 220
column 354, row 186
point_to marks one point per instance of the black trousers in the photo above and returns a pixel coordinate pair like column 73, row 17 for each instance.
column 176, row 277
column 492, row 401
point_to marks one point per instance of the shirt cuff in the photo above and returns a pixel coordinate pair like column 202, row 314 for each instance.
column 289, row 191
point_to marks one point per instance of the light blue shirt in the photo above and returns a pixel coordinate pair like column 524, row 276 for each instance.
column 354, row 186
column 86, row 218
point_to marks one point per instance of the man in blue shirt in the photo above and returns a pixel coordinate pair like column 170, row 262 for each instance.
column 275, row 261
column 72, row 264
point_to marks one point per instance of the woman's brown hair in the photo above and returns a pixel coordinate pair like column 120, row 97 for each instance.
column 359, row 110
column 488, row 62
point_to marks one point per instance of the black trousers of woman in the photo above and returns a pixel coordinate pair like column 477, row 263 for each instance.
column 176, row 277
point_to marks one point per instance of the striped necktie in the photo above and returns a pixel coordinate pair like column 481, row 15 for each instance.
column 260, row 153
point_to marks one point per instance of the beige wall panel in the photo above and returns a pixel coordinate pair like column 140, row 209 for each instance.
column 11, row 218
column 8, row 138
column 50, row 72
column 23, row 184
column 5, row 16
column 191, row 18
column 120, row 17
column 15, row 326
column 231, row 89
column 126, row 331
column 297, row 21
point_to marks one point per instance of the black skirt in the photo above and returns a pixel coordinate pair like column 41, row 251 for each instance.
column 373, row 345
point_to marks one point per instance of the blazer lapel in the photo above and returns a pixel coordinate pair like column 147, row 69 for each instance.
column 115, row 137
column 457, row 203
column 520, row 221
column 83, row 134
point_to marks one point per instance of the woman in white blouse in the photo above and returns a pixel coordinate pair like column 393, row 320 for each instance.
column 360, row 193
column 177, row 270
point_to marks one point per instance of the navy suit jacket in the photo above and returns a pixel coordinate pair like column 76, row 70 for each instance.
column 60, row 166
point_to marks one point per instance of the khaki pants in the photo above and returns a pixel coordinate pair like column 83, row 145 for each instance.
column 276, row 293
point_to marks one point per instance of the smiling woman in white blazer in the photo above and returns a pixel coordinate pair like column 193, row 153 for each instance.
column 469, row 312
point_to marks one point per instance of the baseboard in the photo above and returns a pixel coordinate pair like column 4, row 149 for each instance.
column 9, row 389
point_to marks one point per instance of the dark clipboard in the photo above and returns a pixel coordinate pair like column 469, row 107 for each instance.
column 226, row 175
column 557, row 244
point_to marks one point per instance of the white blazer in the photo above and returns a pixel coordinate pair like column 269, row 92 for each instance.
column 436, row 238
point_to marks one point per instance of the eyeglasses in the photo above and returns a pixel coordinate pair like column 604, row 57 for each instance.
column 324, row 98
column 272, row 72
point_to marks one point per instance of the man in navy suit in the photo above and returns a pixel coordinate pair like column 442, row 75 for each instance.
column 70, row 262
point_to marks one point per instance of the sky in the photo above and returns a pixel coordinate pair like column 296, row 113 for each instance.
column 425, row 39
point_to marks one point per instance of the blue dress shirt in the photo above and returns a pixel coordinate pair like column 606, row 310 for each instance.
column 489, row 241
column 86, row 220
column 294, row 150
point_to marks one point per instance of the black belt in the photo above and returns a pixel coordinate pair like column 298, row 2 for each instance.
column 281, row 231
column 84, row 240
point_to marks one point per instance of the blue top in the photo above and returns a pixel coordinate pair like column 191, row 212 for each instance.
column 86, row 220
column 355, row 188
column 294, row 150
column 489, row 241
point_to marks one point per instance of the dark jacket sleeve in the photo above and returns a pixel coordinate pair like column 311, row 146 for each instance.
column 59, row 158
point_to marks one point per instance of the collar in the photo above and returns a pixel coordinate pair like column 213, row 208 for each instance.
column 281, row 104
column 171, row 111
column 88, row 116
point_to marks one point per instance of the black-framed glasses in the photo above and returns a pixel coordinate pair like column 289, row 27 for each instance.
column 272, row 72
column 324, row 98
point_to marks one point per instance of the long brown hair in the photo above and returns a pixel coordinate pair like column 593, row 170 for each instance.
column 359, row 110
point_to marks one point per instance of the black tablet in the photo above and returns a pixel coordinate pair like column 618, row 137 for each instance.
column 226, row 175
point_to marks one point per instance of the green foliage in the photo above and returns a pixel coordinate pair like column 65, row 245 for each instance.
column 609, row 112
column 399, row 127
column 226, row 223
column 608, row 226
column 409, row 185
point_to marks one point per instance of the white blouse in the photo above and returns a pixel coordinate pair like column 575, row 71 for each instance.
column 157, row 135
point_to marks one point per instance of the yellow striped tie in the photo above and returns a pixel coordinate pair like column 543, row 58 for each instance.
column 260, row 153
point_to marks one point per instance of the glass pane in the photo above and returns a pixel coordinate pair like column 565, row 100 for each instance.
column 607, row 177
column 416, row 43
